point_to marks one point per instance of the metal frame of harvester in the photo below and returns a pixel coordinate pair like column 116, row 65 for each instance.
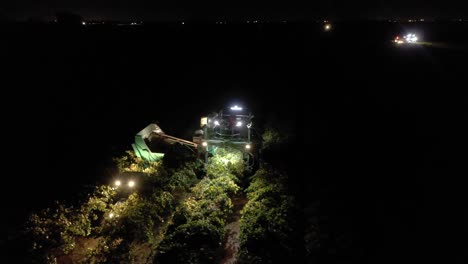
column 230, row 127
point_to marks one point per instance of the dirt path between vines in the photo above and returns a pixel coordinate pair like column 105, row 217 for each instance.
column 231, row 240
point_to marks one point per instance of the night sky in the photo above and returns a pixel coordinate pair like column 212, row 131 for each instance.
column 235, row 10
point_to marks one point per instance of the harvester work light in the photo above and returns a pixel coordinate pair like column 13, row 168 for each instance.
column 131, row 184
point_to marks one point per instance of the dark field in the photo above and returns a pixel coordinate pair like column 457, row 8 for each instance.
column 379, row 130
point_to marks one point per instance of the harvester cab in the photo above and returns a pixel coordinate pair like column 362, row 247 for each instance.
column 230, row 127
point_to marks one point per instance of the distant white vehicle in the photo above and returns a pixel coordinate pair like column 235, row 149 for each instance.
column 408, row 38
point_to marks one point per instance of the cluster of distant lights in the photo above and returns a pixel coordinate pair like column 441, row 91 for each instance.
column 409, row 38
column 248, row 22
column 416, row 20
column 423, row 20
column 327, row 25
column 84, row 23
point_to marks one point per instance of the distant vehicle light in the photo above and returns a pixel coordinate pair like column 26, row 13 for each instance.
column 83, row 23
column 131, row 184
column 411, row 38
column 236, row 108
column 327, row 27
column 408, row 38
column 204, row 144
column 117, row 183
column 238, row 124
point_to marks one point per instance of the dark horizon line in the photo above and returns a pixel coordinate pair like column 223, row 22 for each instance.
column 242, row 21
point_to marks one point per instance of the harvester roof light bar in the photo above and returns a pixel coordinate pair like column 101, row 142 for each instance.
column 236, row 108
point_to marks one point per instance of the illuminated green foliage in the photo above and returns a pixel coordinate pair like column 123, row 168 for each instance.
column 267, row 230
column 270, row 137
column 116, row 226
column 199, row 224
column 59, row 227
column 172, row 216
